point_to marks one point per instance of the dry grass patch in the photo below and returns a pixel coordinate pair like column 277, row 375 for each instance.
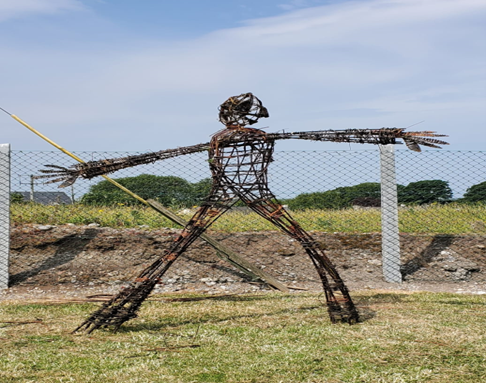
column 432, row 219
column 421, row 337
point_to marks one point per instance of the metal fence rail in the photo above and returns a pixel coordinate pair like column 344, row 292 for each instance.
column 440, row 241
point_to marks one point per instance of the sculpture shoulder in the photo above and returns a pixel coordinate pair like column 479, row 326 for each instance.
column 239, row 134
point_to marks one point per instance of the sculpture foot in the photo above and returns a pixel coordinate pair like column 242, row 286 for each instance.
column 120, row 309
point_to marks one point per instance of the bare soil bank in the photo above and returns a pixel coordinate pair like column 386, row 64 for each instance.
column 99, row 259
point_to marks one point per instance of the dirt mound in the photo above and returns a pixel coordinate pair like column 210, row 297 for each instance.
column 94, row 256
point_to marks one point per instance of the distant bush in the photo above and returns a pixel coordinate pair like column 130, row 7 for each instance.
column 200, row 190
column 168, row 190
column 425, row 192
column 369, row 194
column 339, row 198
column 318, row 200
column 16, row 198
column 476, row 193
column 367, row 202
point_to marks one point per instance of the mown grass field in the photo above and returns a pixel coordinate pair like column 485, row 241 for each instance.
column 432, row 219
column 420, row 337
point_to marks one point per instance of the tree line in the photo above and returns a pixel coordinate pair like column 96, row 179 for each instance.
column 369, row 194
column 177, row 192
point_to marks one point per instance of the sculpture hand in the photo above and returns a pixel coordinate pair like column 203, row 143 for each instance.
column 414, row 139
column 58, row 173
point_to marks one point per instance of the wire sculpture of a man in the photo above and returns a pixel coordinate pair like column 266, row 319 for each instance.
column 239, row 157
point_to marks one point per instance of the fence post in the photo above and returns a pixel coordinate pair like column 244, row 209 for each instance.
column 390, row 240
column 4, row 214
column 31, row 188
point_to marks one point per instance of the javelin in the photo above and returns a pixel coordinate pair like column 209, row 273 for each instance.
column 230, row 256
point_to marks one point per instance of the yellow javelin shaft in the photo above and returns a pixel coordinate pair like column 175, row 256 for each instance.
column 230, row 256
column 76, row 158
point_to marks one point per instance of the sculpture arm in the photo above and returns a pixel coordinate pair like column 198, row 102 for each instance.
column 92, row 169
column 384, row 136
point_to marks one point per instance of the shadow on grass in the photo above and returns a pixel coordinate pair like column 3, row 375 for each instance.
column 363, row 303
column 225, row 298
column 366, row 303
column 366, row 313
column 153, row 326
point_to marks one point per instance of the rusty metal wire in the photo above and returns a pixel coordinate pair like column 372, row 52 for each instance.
column 242, row 110
column 369, row 136
column 238, row 158
column 92, row 169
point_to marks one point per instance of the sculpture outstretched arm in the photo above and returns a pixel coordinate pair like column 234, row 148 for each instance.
column 384, row 136
column 92, row 169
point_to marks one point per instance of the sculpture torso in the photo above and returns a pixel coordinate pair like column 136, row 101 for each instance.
column 239, row 158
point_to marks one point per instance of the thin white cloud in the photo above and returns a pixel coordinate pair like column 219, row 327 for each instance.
column 342, row 22
column 14, row 9
column 294, row 4
column 353, row 64
column 375, row 44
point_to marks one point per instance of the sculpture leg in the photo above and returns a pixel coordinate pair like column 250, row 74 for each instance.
column 125, row 305
column 339, row 302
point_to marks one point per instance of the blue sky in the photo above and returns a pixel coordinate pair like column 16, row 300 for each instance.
column 149, row 75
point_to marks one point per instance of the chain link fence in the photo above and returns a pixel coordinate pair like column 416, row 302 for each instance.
column 60, row 236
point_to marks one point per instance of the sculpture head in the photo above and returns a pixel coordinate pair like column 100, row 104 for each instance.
column 241, row 110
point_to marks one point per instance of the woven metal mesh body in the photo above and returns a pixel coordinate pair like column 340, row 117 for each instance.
column 239, row 159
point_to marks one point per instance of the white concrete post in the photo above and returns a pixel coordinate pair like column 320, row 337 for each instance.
column 390, row 240
column 4, row 213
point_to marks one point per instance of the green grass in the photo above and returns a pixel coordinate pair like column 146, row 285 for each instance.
column 421, row 337
column 432, row 219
